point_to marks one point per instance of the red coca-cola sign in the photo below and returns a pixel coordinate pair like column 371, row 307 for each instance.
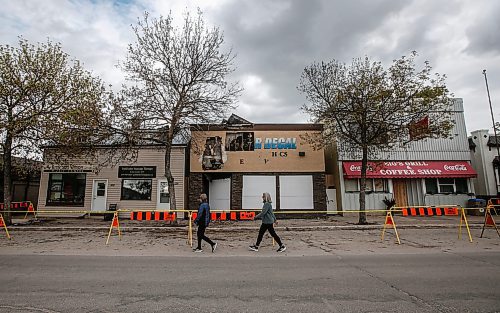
column 410, row 169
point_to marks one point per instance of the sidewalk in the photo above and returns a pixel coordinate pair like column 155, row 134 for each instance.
column 333, row 235
column 348, row 221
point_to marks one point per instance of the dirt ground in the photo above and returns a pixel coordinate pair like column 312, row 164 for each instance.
column 326, row 236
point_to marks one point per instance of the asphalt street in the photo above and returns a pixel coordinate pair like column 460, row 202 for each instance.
column 430, row 281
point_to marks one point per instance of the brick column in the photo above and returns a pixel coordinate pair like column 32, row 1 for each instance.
column 236, row 191
column 319, row 192
column 195, row 189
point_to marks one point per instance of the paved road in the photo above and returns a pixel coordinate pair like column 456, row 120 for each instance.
column 426, row 282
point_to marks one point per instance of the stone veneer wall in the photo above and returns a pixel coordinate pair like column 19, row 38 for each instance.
column 195, row 188
column 236, row 191
column 319, row 192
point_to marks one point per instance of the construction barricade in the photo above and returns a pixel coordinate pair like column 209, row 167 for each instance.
column 443, row 210
column 489, row 221
column 2, row 224
column 389, row 220
column 21, row 206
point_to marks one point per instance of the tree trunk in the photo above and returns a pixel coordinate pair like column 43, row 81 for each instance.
column 362, row 188
column 7, row 178
column 169, row 176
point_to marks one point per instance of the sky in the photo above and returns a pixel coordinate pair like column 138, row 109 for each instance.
column 275, row 40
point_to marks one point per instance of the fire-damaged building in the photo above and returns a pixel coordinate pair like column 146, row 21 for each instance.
column 236, row 161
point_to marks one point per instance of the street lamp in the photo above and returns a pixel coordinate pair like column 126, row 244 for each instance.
column 497, row 143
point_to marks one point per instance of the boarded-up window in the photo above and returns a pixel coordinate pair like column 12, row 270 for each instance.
column 296, row 192
column 253, row 187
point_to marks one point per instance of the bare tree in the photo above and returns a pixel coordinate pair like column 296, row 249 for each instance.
column 177, row 77
column 370, row 109
column 45, row 98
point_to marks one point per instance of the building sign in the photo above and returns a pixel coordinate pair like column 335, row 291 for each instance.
column 137, row 172
column 410, row 169
column 276, row 143
column 255, row 151
column 67, row 171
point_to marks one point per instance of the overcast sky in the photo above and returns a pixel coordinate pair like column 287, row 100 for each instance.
column 275, row 40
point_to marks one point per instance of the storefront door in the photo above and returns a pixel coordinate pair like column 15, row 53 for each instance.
column 163, row 202
column 400, row 195
column 99, row 194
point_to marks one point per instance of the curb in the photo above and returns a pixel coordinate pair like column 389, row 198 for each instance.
column 248, row 228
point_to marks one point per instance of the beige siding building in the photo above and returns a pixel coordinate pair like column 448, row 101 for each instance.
column 128, row 185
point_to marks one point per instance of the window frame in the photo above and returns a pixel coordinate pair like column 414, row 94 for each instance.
column 136, row 179
column 370, row 185
column 76, row 183
column 454, row 185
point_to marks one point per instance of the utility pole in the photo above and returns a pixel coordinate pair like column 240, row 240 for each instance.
column 497, row 142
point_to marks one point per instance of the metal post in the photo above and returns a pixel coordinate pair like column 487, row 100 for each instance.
column 497, row 143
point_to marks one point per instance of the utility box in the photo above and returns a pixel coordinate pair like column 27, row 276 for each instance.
column 478, row 206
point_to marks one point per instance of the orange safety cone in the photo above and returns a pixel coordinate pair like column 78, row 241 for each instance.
column 489, row 221
column 389, row 220
column 2, row 224
column 114, row 224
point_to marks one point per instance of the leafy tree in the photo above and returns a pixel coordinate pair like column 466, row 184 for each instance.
column 177, row 76
column 368, row 108
column 45, row 99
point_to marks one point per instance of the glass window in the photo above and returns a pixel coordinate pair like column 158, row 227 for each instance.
column 351, row 185
column 372, row 185
column 380, row 185
column 66, row 189
column 136, row 189
column 164, row 194
column 461, row 185
column 431, row 186
column 446, row 185
column 243, row 141
column 369, row 184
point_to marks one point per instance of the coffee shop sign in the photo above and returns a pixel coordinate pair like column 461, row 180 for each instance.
column 276, row 143
column 406, row 168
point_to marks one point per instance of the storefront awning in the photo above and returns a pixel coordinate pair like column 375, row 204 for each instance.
column 410, row 169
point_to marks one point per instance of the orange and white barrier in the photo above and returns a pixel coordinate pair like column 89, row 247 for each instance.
column 229, row 216
column 152, row 216
column 430, row 210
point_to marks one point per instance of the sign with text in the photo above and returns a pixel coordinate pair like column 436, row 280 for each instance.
column 137, row 172
column 410, row 169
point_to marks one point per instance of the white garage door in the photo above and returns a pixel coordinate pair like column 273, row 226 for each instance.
column 253, row 187
column 220, row 194
column 296, row 192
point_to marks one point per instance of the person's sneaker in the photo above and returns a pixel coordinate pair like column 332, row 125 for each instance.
column 197, row 250
column 214, row 246
column 253, row 248
column 281, row 249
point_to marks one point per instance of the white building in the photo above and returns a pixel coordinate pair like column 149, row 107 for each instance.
column 426, row 172
column 484, row 156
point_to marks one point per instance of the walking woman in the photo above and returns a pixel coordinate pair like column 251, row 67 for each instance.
column 202, row 220
column 268, row 219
